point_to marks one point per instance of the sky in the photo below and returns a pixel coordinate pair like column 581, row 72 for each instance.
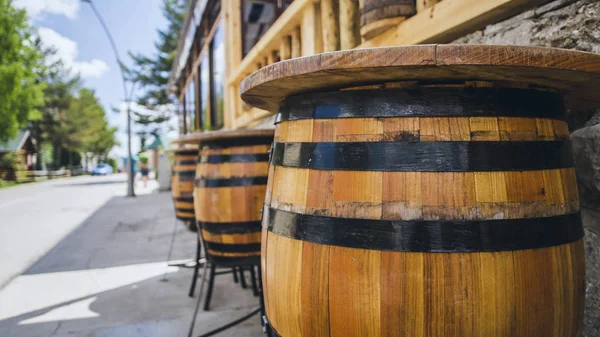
column 71, row 27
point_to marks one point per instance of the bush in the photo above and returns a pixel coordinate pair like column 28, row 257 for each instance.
column 9, row 161
column 9, row 165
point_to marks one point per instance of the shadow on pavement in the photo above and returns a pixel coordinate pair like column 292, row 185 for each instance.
column 107, row 278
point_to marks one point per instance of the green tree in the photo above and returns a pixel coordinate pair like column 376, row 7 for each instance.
column 152, row 72
column 85, row 127
column 60, row 88
column 20, row 63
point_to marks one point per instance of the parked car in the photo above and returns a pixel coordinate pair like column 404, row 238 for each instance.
column 102, row 170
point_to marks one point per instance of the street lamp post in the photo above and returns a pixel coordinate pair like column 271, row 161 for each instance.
column 130, row 191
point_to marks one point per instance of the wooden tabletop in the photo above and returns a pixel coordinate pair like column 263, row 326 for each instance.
column 575, row 73
column 199, row 137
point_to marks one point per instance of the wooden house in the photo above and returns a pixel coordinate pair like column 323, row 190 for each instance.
column 224, row 41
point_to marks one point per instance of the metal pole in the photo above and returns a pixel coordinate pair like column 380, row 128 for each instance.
column 130, row 191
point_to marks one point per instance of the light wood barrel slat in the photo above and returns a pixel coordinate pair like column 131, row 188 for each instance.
column 182, row 185
column 230, row 185
column 430, row 222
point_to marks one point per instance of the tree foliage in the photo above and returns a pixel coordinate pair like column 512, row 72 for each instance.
column 152, row 72
column 83, row 126
column 20, row 64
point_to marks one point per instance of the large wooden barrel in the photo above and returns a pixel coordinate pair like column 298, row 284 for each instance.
column 377, row 16
column 445, row 209
column 182, row 185
column 230, row 185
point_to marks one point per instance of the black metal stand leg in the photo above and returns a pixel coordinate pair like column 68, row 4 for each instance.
column 211, row 284
column 235, row 277
column 232, row 324
column 263, row 312
column 191, row 331
column 164, row 278
column 242, row 278
column 253, row 280
column 196, row 268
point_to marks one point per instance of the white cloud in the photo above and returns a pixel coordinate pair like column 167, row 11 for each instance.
column 66, row 50
column 36, row 8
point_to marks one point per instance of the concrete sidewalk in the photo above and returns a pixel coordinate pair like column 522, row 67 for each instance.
column 109, row 277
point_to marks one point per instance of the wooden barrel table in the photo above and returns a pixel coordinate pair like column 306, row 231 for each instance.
column 230, row 186
column 424, row 191
column 182, row 185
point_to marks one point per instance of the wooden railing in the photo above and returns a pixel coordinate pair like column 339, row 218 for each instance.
column 308, row 27
column 31, row 176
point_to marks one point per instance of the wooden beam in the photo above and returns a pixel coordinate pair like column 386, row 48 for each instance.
column 312, row 39
column 349, row 24
column 285, row 50
column 232, row 10
column 449, row 20
column 296, row 43
column 331, row 28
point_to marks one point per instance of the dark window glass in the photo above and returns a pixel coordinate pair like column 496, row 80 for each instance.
column 212, row 11
column 204, row 77
column 198, row 112
column 217, row 50
column 257, row 18
column 191, row 106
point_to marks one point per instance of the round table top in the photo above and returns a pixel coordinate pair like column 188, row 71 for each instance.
column 575, row 73
column 200, row 137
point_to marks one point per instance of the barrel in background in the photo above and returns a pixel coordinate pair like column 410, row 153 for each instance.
column 230, row 185
column 182, row 185
column 433, row 210
column 377, row 16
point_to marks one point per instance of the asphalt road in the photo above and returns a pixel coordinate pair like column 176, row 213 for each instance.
column 35, row 217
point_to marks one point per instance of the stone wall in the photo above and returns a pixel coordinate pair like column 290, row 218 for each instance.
column 572, row 24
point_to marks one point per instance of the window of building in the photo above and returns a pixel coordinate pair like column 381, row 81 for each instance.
column 217, row 51
column 191, row 105
column 257, row 18
column 204, row 88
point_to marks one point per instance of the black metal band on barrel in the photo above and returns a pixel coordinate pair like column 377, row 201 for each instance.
column 184, row 210
column 425, row 156
column 424, row 102
column 233, row 158
column 191, row 152
column 235, row 142
column 186, row 162
column 233, row 247
column 190, row 173
column 230, row 182
column 184, row 199
column 231, row 227
column 427, row 236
